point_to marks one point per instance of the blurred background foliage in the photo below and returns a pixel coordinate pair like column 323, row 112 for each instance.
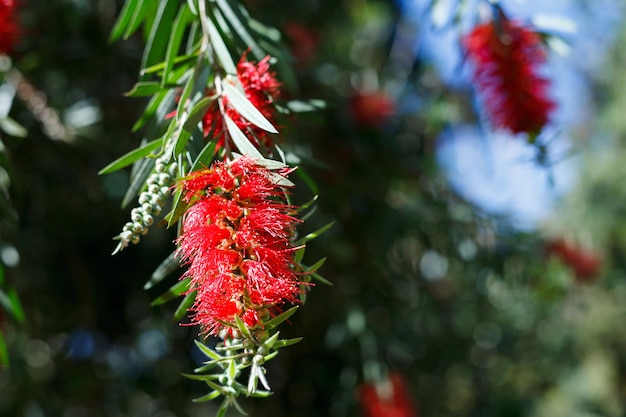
column 481, row 317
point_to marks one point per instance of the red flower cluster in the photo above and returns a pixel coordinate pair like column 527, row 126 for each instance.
column 390, row 398
column 261, row 88
column 372, row 109
column 506, row 57
column 584, row 263
column 9, row 29
column 236, row 240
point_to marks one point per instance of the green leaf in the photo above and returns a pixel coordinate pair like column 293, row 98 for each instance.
column 184, row 305
column 286, row 342
column 12, row 128
column 299, row 106
column 245, row 108
column 259, row 394
column 213, row 395
column 205, row 157
column 313, row 235
column 179, row 206
column 207, row 367
column 16, row 306
column 132, row 156
column 269, row 343
column 197, row 113
column 232, row 370
column 151, row 109
column 317, row 265
column 234, row 20
column 321, row 278
column 219, row 47
column 242, row 327
column 176, row 37
column 175, row 290
column 208, row 352
column 159, row 35
column 308, row 180
column 169, row 265
column 138, row 180
column 240, row 140
column 144, row 88
column 221, row 412
column 123, row 21
column 4, row 353
column 280, row 318
column 140, row 14
column 192, row 6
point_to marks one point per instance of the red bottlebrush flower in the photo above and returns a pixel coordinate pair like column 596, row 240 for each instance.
column 236, row 241
column 10, row 30
column 371, row 109
column 585, row 264
column 261, row 88
column 506, row 58
column 304, row 42
column 390, row 398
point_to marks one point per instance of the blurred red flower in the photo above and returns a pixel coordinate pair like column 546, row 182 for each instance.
column 506, row 58
column 236, row 240
column 304, row 42
column 10, row 30
column 371, row 109
column 389, row 398
column 585, row 263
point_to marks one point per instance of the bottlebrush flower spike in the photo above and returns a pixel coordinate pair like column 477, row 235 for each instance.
column 506, row 58
column 9, row 28
column 261, row 88
column 236, row 240
column 372, row 109
column 390, row 398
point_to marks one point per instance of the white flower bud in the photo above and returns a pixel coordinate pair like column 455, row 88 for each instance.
column 147, row 220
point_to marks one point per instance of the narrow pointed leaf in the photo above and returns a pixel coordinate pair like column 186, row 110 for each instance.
column 176, row 37
column 245, row 108
column 219, row 47
column 132, row 156
column 280, row 318
column 159, row 34
column 174, row 291
column 221, row 412
column 235, row 21
column 169, row 265
column 125, row 16
column 207, row 351
column 269, row 343
column 144, row 88
column 242, row 327
column 184, row 305
column 138, row 180
column 286, row 342
column 321, row 278
column 213, row 395
column 317, row 265
column 4, row 353
column 197, row 113
column 240, row 140
column 313, row 235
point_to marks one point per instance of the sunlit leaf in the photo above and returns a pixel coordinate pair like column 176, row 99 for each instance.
column 313, row 235
column 180, row 25
column 132, row 156
column 175, row 291
column 245, row 108
column 169, row 265
column 240, row 140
